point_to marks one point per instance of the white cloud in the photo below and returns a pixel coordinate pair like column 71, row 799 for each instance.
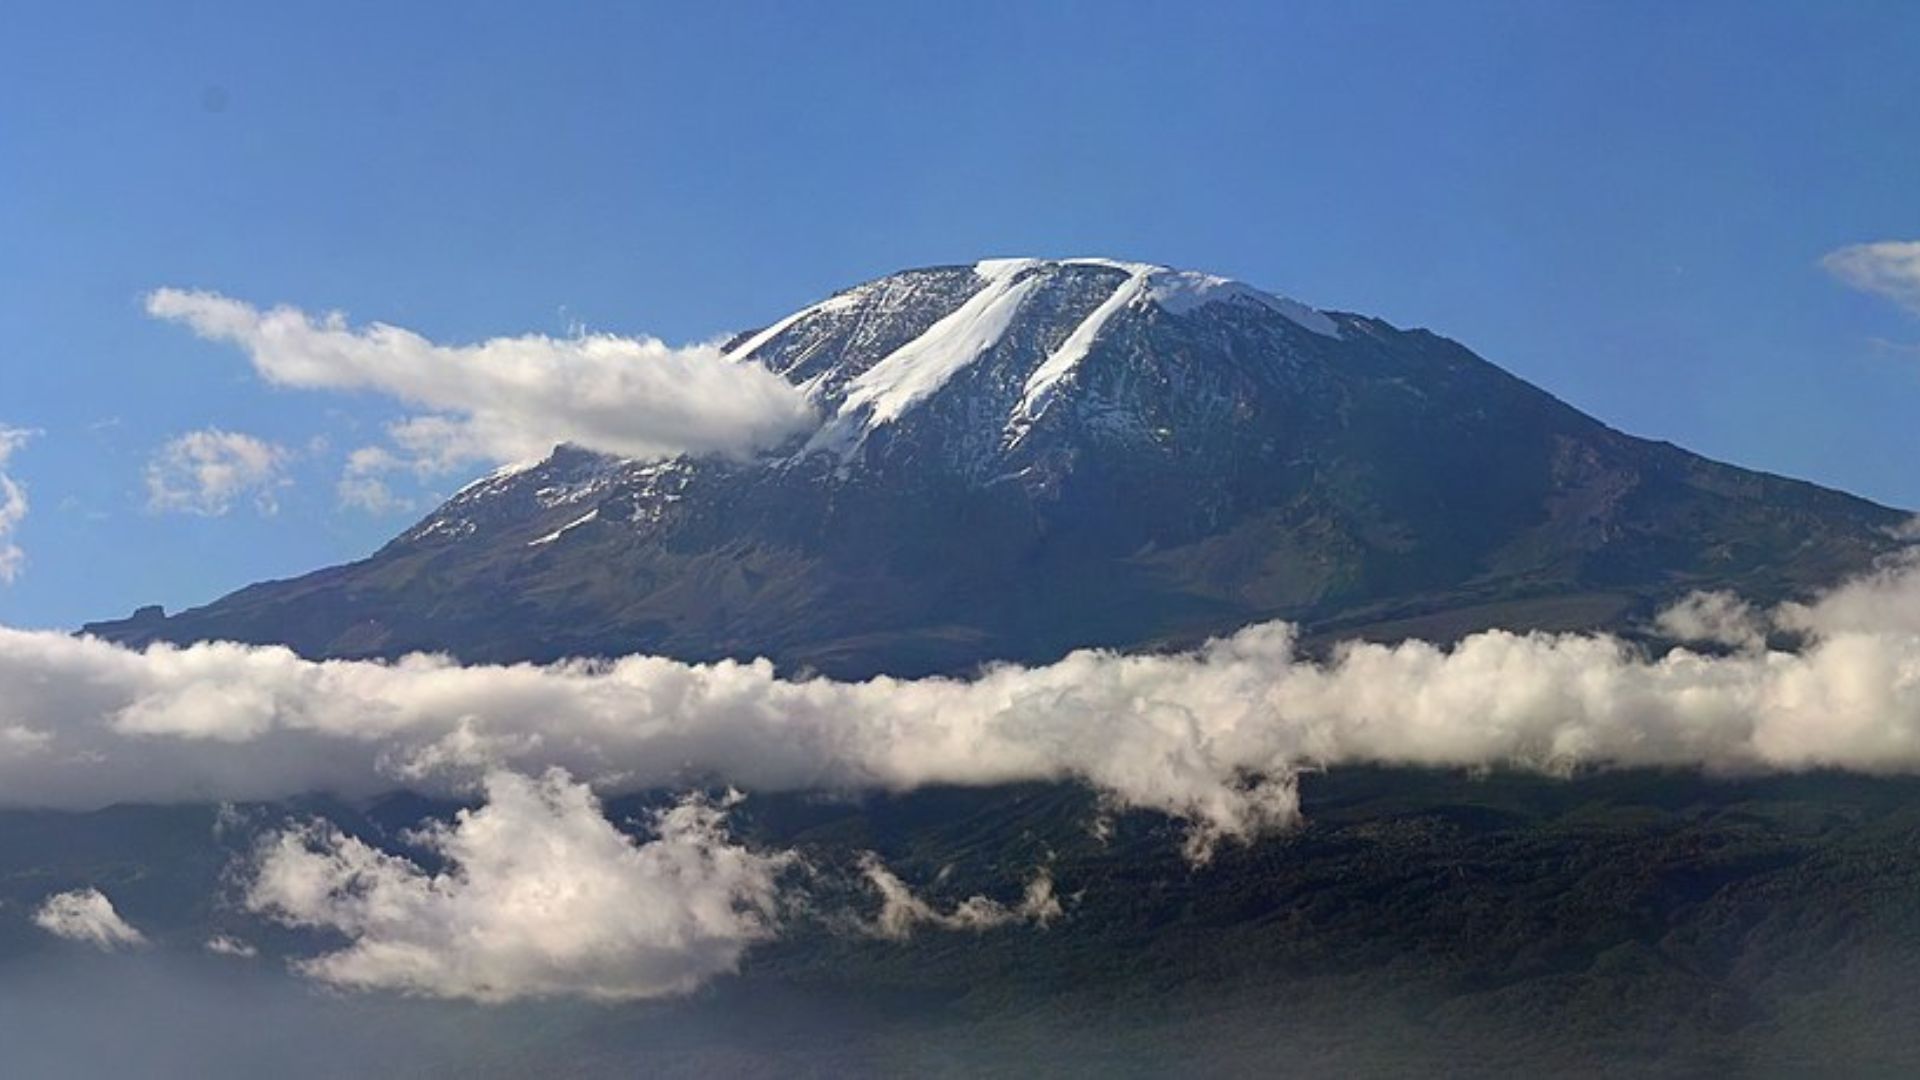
column 206, row 472
column 1889, row 268
column 19, row 741
column 511, row 399
column 86, row 915
column 371, row 494
column 901, row 912
column 361, row 485
column 541, row 896
column 227, row 945
column 1717, row 618
column 13, row 505
column 1883, row 603
column 1215, row 737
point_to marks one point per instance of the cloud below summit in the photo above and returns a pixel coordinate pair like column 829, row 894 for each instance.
column 509, row 399
column 1215, row 737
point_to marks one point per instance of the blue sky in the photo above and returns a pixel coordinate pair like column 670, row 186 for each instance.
column 1625, row 203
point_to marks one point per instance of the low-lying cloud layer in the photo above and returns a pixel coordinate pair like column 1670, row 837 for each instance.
column 542, row 895
column 1214, row 736
column 508, row 399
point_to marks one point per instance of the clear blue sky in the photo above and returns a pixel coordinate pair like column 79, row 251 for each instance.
column 1623, row 202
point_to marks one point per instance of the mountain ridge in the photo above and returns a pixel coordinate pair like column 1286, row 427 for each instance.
column 1019, row 457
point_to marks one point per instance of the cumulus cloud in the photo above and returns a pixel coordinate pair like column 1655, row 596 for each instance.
column 541, row 896
column 511, row 399
column 1888, row 268
column 902, row 912
column 1883, row 603
column 205, row 472
column 13, row 505
column 86, row 915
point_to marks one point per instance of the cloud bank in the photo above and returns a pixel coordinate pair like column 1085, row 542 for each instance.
column 205, row 472
column 86, row 915
column 509, row 399
column 541, row 895
column 1888, row 268
column 1214, row 736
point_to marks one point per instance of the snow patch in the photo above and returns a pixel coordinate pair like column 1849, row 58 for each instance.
column 591, row 515
column 917, row 370
column 837, row 302
column 1114, row 264
column 1178, row 292
column 504, row 472
column 1061, row 362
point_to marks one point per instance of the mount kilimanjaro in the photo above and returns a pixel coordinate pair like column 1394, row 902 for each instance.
column 1021, row 457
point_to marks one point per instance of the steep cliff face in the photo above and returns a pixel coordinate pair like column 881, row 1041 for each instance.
column 1023, row 456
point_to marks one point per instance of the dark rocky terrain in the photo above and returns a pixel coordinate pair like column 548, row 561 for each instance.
column 1618, row 924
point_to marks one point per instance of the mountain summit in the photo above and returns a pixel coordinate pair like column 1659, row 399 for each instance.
column 1023, row 456
column 1013, row 332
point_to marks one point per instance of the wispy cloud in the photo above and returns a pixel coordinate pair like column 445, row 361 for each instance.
column 228, row 945
column 86, row 915
column 1888, row 268
column 363, row 486
column 510, row 399
column 13, row 505
column 205, row 472
column 902, row 912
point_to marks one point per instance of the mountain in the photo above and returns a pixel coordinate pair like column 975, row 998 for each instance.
column 1023, row 456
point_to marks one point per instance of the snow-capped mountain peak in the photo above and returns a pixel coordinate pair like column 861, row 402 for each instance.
column 1019, row 457
column 873, row 354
